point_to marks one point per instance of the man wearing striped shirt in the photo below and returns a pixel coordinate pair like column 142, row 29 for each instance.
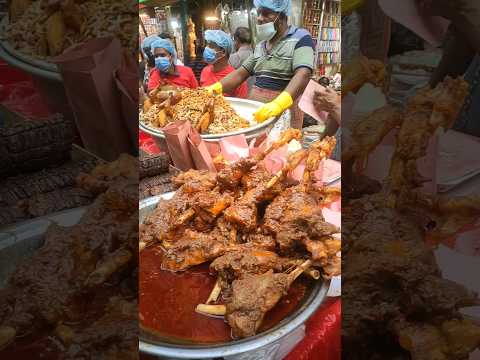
column 282, row 63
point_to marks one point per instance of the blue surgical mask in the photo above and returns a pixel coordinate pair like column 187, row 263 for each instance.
column 162, row 64
column 209, row 55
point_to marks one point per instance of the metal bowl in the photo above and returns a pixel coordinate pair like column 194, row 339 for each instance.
column 260, row 345
column 245, row 108
column 27, row 60
column 45, row 76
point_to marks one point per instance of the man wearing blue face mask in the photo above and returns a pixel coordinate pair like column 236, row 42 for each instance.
column 166, row 72
column 282, row 63
column 216, row 54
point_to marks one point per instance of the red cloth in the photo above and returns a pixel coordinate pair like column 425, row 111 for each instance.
column 209, row 77
column 183, row 77
column 322, row 340
column 147, row 143
column 19, row 94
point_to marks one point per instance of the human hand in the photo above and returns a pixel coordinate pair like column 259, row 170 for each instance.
column 274, row 108
column 327, row 100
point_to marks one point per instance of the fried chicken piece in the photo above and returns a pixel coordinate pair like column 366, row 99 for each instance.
column 427, row 111
column 55, row 33
column 72, row 14
column 368, row 132
column 361, row 71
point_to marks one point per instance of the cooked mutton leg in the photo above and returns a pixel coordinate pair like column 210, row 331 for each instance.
column 235, row 264
column 252, row 297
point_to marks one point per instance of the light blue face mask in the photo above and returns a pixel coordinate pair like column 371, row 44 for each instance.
column 162, row 64
column 209, row 55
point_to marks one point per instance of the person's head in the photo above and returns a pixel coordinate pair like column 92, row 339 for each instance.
column 219, row 46
column 242, row 37
column 272, row 17
column 164, row 54
column 324, row 81
column 147, row 51
column 166, row 35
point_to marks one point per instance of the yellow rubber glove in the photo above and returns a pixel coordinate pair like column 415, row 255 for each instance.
column 281, row 103
column 216, row 88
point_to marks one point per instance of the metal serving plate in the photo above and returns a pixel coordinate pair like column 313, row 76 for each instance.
column 245, row 108
column 15, row 58
column 42, row 64
column 258, row 347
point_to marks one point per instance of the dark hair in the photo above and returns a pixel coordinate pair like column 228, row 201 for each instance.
column 242, row 34
column 325, row 81
column 165, row 35
column 283, row 16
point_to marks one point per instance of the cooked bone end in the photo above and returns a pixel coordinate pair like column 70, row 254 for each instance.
column 219, row 310
column 118, row 259
column 215, row 293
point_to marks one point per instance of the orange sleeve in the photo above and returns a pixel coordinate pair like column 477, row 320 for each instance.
column 153, row 80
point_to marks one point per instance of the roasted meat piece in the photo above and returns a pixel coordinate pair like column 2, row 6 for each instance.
column 253, row 296
column 113, row 336
column 244, row 211
column 294, row 216
column 195, row 180
column 236, row 264
column 230, row 176
column 198, row 247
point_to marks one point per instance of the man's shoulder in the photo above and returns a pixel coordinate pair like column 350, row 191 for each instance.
column 299, row 33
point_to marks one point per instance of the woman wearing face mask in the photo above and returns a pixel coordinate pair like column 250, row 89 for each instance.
column 282, row 63
column 166, row 72
column 216, row 53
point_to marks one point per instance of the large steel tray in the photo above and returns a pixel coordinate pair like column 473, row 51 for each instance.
column 262, row 346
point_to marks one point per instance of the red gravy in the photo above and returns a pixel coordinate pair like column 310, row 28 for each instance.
column 168, row 301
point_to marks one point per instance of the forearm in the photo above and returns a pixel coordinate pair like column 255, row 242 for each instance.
column 457, row 56
column 331, row 126
column 336, row 115
column 299, row 82
column 234, row 79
